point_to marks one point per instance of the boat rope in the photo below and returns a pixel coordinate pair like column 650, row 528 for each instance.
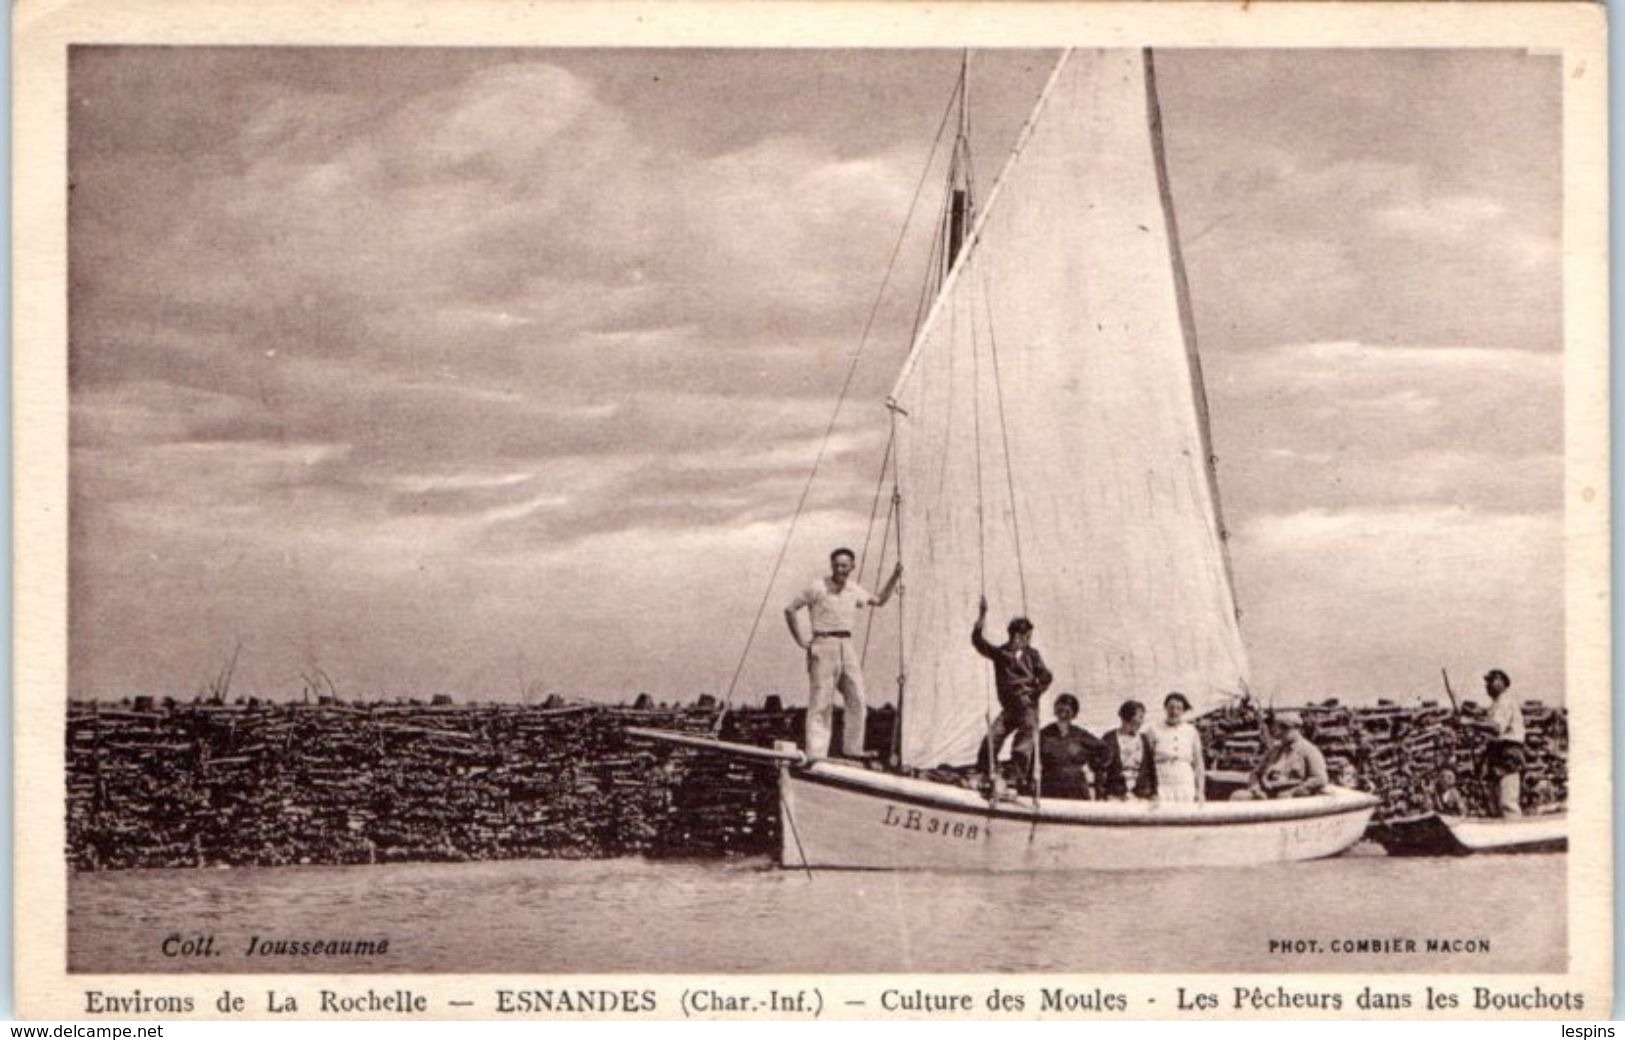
column 869, row 622
column 976, row 438
column 835, row 414
column 902, row 603
column 937, row 268
column 962, row 141
column 880, row 563
column 874, row 510
column 790, row 821
column 1015, row 522
column 981, row 538
column 963, row 166
column 1004, row 436
column 934, row 275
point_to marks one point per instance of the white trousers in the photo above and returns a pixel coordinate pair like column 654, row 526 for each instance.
column 832, row 664
column 1510, row 789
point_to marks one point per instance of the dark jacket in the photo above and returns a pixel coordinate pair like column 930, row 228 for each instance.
column 1064, row 759
column 1018, row 675
column 1109, row 773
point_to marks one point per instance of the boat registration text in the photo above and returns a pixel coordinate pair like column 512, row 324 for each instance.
column 930, row 823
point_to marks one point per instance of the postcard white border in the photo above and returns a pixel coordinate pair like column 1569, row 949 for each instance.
column 43, row 30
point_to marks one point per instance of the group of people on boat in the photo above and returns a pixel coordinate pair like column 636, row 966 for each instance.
column 1161, row 761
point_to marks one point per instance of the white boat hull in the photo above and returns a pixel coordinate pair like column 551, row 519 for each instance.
column 1434, row 835
column 838, row 816
column 1506, row 835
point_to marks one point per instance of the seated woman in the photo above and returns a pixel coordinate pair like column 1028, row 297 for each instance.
column 1126, row 762
column 1065, row 751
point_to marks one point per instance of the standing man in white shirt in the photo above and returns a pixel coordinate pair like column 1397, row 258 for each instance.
column 832, row 606
column 1504, row 757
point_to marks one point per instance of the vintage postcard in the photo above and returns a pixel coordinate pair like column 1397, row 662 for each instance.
column 835, row 511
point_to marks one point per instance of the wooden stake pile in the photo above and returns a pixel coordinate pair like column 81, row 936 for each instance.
column 330, row 783
column 1402, row 753
column 166, row 785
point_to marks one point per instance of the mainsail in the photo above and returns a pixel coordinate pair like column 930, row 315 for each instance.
column 1052, row 446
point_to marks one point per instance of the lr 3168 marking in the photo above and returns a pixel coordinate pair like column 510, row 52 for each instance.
column 930, row 823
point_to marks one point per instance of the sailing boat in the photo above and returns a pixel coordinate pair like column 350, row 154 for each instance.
column 1052, row 453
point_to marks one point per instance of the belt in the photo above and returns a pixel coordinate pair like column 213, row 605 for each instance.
column 832, row 635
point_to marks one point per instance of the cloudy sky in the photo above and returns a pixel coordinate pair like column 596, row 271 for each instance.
column 502, row 371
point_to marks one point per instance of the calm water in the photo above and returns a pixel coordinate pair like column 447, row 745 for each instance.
column 641, row 916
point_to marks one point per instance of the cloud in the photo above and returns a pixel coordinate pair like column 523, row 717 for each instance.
column 1454, row 218
column 1414, row 588
column 1429, row 181
column 413, row 362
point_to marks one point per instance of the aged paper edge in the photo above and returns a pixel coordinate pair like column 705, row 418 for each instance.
column 45, row 28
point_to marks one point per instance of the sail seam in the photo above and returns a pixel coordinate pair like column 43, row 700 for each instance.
column 1187, row 323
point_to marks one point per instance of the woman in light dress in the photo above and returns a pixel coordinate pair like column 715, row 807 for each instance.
column 1177, row 747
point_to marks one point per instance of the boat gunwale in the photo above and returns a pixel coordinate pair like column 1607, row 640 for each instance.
column 1343, row 802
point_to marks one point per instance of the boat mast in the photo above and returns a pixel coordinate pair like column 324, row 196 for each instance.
column 954, row 227
column 959, row 174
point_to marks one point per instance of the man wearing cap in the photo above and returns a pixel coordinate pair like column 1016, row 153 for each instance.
column 1020, row 677
column 1292, row 768
column 1503, row 760
column 832, row 606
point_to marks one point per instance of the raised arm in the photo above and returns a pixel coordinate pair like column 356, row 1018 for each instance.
column 982, row 646
column 890, row 587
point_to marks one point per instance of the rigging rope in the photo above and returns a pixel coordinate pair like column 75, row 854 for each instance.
column 1004, row 434
column 869, row 622
column 1036, row 766
column 961, row 165
column 937, row 266
column 981, row 537
column 874, row 510
column 902, row 604
column 976, row 428
column 846, row 386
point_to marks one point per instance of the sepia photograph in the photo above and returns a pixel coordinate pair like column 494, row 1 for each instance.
column 902, row 508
